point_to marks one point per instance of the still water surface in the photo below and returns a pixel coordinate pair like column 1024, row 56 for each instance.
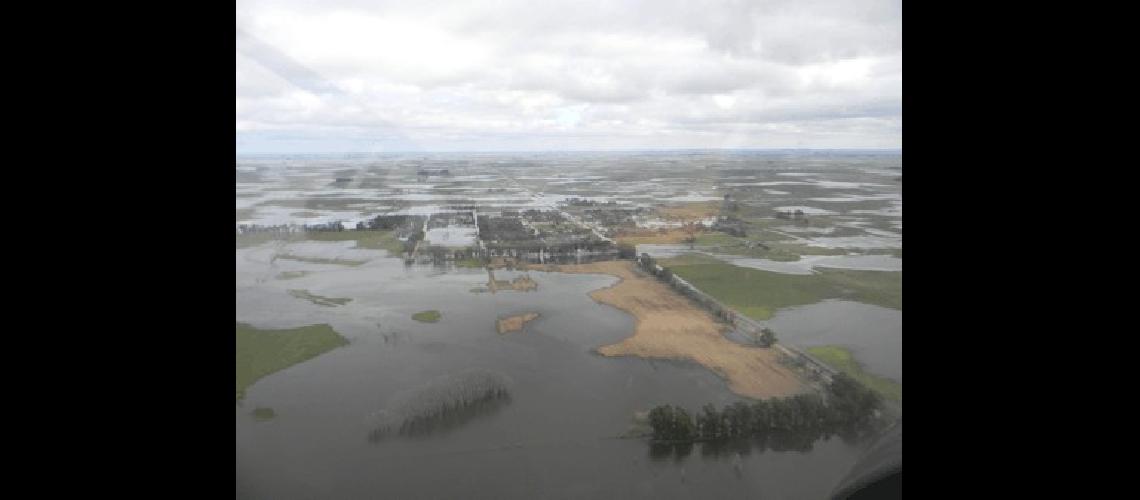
column 556, row 438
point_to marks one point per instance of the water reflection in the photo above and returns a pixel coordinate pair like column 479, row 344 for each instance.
column 424, row 426
column 444, row 403
column 801, row 441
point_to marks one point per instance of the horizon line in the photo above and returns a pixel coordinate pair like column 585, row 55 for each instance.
column 634, row 150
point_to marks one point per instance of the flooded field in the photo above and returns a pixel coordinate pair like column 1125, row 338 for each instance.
column 561, row 425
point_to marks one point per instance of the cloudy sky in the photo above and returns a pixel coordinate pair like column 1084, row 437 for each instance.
column 376, row 75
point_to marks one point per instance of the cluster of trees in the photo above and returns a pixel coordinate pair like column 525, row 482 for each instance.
column 504, row 229
column 649, row 265
column 443, row 402
column 767, row 337
column 413, row 238
column 290, row 228
column 612, row 218
column 798, row 215
column 584, row 202
column 388, row 222
column 729, row 204
column 627, row 251
column 845, row 403
column 730, row 225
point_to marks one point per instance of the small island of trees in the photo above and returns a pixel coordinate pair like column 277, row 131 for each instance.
column 845, row 403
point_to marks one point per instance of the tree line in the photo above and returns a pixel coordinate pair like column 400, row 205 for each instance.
column 722, row 312
column 844, row 403
column 290, row 228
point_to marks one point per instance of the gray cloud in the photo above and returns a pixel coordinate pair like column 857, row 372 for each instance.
column 533, row 75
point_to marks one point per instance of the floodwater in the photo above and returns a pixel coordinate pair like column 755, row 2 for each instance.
column 872, row 333
column 806, row 264
column 557, row 436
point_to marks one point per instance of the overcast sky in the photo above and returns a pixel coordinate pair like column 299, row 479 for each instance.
column 376, row 76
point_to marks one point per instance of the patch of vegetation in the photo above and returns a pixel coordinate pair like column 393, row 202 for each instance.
column 288, row 275
column 690, row 259
column 246, row 240
column 320, row 260
column 262, row 352
column 841, row 359
column 245, row 213
column 319, row 300
column 844, row 403
column 759, row 294
column 650, row 237
column 444, row 402
column 689, row 211
column 771, row 253
column 367, row 239
column 718, row 238
column 427, row 316
column 264, row 414
column 471, row 262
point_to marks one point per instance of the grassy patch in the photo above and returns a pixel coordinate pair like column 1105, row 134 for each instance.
column 369, row 240
column 474, row 263
column 718, row 238
column 262, row 352
column 690, row 259
column 427, row 316
column 319, row 300
column 842, row 360
column 264, row 414
column 759, row 294
column 289, row 275
column 653, row 237
column 781, row 251
column 320, row 260
column 254, row 239
column 689, row 211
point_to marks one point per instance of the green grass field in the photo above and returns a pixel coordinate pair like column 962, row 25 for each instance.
column 262, row 352
column 427, row 316
column 370, row 240
column 319, row 300
column 759, row 294
column 717, row 238
column 840, row 358
column 289, row 275
column 319, row 260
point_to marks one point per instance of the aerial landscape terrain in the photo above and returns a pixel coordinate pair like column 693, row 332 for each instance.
column 651, row 324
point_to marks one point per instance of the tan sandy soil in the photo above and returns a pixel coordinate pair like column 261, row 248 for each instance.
column 689, row 212
column 655, row 236
column 670, row 326
column 515, row 323
column 520, row 284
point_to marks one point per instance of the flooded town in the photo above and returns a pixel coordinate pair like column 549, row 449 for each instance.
column 585, row 290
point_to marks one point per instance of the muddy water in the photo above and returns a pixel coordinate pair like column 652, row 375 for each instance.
column 556, row 438
column 872, row 333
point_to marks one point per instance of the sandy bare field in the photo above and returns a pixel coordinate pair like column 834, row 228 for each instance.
column 656, row 236
column 670, row 326
column 515, row 323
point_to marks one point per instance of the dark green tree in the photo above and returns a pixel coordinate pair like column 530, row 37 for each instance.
column 708, row 422
column 767, row 337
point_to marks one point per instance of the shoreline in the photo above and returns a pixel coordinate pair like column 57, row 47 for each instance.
column 669, row 326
